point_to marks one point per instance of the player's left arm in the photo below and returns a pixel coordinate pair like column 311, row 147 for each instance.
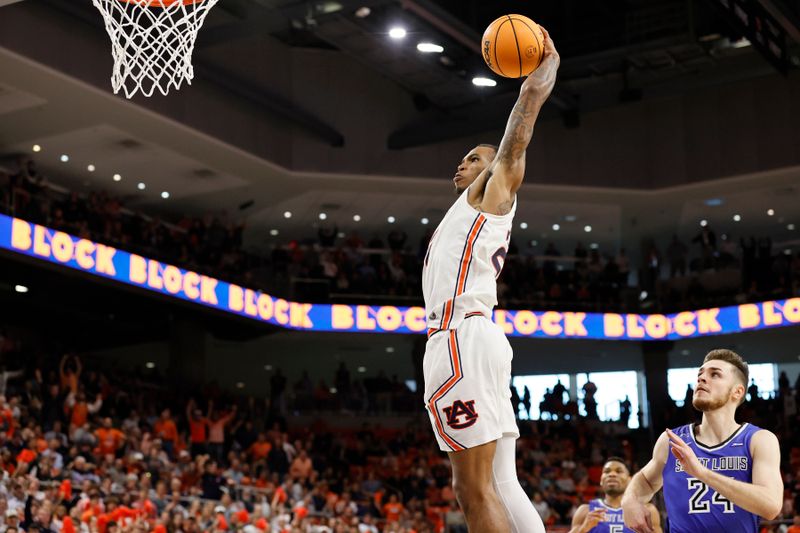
column 655, row 518
column 508, row 167
column 764, row 496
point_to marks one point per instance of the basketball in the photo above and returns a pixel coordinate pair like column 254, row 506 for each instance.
column 513, row 46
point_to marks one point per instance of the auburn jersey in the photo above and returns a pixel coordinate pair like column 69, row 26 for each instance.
column 464, row 258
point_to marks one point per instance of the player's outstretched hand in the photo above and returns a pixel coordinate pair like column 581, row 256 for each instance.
column 637, row 517
column 684, row 453
column 592, row 519
column 542, row 80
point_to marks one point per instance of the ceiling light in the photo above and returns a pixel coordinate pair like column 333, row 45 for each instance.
column 334, row 390
column 790, row 227
column 705, row 39
column 482, row 81
column 390, row 220
column 570, row 218
column 703, row 223
column 556, row 227
column 90, row 168
column 770, row 212
column 323, row 216
column 741, row 43
column 117, row 177
column 362, row 369
column 267, row 367
column 287, row 214
column 64, row 158
column 164, row 195
column 240, row 385
column 714, row 202
column 787, row 251
column 37, row 148
column 397, row 33
column 150, row 364
column 21, row 288
column 523, row 225
column 363, row 12
column 357, row 218
column 430, row 48
column 594, row 246
column 326, row 8
column 587, row 229
column 141, row 186
column 273, row 232
column 424, row 221
column 390, row 349
column 737, row 218
column 534, row 243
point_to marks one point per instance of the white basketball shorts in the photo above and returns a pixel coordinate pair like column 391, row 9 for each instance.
column 467, row 384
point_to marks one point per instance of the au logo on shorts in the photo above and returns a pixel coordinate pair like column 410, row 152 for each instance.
column 459, row 409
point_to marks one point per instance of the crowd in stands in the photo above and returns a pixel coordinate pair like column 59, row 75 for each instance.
column 86, row 448
column 330, row 266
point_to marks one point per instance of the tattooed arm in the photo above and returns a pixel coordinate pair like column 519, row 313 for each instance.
column 508, row 168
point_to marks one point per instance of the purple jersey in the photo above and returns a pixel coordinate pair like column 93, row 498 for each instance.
column 691, row 504
column 613, row 522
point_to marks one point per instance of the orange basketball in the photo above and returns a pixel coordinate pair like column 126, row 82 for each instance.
column 513, row 46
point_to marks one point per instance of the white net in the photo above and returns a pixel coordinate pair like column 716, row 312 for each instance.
column 152, row 42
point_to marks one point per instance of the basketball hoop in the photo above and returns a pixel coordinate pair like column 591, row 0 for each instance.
column 152, row 42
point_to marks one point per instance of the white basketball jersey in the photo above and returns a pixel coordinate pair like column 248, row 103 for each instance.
column 464, row 258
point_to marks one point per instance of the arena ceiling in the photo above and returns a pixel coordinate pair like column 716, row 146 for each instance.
column 613, row 53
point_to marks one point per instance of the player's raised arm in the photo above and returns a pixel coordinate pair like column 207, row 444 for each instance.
column 508, row 167
column 764, row 496
column 643, row 487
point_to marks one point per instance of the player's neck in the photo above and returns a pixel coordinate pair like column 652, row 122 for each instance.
column 615, row 502
column 717, row 426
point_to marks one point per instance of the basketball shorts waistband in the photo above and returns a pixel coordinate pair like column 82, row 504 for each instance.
column 434, row 331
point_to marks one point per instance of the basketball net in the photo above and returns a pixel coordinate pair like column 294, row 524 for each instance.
column 152, row 42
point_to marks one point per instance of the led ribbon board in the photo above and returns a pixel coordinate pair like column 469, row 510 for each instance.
column 108, row 262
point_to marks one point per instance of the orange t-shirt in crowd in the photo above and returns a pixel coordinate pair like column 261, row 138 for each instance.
column 793, row 529
column 281, row 494
column 69, row 381
column 80, row 414
column 108, row 440
column 435, row 515
column 166, row 430
column 260, row 450
column 197, row 431
column 26, row 456
column 67, row 526
column 7, row 422
column 392, row 511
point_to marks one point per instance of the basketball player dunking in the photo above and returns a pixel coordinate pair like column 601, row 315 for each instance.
column 718, row 475
column 467, row 365
column 605, row 515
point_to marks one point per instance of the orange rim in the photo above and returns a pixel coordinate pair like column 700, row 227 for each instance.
column 161, row 3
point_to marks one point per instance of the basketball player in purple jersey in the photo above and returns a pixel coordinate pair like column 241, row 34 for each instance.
column 718, row 475
column 467, row 364
column 605, row 515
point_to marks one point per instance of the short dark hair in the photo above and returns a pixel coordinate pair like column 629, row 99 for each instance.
column 729, row 356
column 733, row 358
column 493, row 147
column 617, row 459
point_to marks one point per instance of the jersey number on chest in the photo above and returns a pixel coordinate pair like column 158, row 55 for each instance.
column 698, row 505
